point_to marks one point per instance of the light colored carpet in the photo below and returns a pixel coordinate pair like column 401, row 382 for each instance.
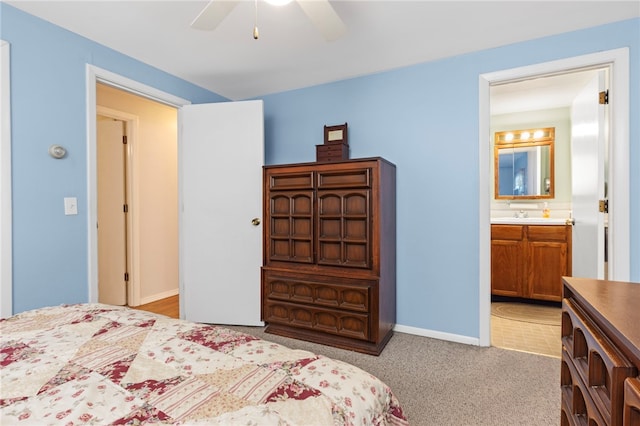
column 525, row 312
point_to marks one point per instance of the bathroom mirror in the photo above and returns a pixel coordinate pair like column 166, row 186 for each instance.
column 523, row 163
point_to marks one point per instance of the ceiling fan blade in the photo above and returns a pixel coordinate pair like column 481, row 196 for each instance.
column 213, row 14
column 324, row 17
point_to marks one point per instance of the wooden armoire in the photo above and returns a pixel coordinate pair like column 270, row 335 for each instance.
column 329, row 268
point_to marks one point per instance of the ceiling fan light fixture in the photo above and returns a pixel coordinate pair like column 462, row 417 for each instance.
column 278, row 2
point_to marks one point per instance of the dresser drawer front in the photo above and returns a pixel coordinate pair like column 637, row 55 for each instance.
column 578, row 407
column 332, row 321
column 353, row 296
column 600, row 365
column 631, row 402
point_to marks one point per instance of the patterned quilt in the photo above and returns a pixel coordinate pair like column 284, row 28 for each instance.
column 101, row 364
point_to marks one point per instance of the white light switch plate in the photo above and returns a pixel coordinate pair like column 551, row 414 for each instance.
column 70, row 205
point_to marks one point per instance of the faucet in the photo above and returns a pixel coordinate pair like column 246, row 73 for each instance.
column 522, row 214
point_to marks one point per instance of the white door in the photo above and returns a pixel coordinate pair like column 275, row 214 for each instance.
column 587, row 178
column 221, row 158
column 112, row 233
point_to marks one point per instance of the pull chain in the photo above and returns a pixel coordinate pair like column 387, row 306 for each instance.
column 255, row 27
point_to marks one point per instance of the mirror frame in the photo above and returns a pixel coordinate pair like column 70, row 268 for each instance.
column 518, row 139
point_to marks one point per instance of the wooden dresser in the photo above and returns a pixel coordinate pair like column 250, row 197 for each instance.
column 329, row 267
column 529, row 261
column 600, row 353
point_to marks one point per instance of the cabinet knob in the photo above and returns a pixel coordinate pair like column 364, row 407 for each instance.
column 255, row 221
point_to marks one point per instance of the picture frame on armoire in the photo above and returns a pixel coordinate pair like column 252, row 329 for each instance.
column 335, row 134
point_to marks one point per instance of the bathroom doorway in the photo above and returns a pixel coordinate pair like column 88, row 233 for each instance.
column 616, row 61
column 532, row 325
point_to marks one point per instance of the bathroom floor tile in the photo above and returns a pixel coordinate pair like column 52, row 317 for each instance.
column 526, row 336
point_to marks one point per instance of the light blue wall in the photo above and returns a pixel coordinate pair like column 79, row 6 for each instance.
column 423, row 118
column 48, row 105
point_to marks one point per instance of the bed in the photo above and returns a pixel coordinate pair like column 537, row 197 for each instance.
column 102, row 364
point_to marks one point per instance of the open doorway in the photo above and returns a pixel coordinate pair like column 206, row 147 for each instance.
column 139, row 182
column 618, row 173
column 531, row 321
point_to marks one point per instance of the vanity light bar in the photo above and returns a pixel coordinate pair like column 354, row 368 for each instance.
column 528, row 135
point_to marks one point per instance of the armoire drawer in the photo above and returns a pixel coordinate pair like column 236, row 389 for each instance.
column 332, row 321
column 294, row 180
column 352, row 295
column 347, row 178
column 601, row 367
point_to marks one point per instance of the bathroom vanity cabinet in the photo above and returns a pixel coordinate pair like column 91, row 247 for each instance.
column 529, row 261
column 600, row 353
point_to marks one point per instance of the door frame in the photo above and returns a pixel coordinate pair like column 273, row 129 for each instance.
column 96, row 75
column 617, row 60
column 6, row 241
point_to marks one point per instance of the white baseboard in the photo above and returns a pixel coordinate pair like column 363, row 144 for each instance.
column 158, row 296
column 437, row 335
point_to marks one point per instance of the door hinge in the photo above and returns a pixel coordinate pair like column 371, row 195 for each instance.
column 126, row 276
column 603, row 206
column 125, row 208
column 124, row 138
column 604, row 97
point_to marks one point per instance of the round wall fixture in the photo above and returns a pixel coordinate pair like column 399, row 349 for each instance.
column 57, row 151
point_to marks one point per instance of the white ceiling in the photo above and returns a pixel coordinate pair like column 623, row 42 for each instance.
column 291, row 54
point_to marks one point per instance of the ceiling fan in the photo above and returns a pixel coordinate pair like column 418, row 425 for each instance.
column 320, row 12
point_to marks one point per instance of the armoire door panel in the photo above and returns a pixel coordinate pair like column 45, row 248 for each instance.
column 280, row 204
column 343, row 228
column 302, row 227
column 355, row 254
column 290, row 230
column 302, row 204
column 356, row 229
column 356, row 203
column 302, row 251
column 280, row 226
column 330, row 228
column 329, row 204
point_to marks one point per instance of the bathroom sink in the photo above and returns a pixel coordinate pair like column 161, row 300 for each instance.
column 510, row 220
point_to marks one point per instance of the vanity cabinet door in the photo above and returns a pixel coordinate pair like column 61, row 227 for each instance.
column 547, row 265
column 549, row 259
column 507, row 261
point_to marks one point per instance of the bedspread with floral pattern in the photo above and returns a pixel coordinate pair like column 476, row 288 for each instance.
column 101, row 364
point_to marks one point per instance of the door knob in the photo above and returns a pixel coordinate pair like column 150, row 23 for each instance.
column 255, row 221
